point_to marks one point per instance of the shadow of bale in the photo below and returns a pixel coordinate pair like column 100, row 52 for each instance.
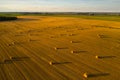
column 56, row 63
column 104, row 57
column 87, row 75
column 78, row 51
column 19, row 58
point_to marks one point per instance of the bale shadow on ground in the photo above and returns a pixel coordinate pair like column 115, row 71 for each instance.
column 95, row 75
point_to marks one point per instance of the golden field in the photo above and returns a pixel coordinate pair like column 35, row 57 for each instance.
column 59, row 48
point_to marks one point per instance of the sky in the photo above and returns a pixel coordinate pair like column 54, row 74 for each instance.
column 59, row 5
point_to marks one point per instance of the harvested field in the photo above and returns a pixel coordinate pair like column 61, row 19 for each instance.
column 45, row 48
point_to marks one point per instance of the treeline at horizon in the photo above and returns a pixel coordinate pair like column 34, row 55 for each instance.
column 60, row 13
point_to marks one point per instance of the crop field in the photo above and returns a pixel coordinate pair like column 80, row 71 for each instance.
column 59, row 48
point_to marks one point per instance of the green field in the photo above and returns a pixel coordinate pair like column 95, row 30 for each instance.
column 95, row 17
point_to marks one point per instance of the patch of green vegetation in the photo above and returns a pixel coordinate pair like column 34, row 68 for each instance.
column 94, row 17
column 103, row 17
column 10, row 14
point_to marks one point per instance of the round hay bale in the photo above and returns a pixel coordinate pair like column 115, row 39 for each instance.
column 51, row 63
column 96, row 57
column 85, row 75
column 72, row 51
column 55, row 48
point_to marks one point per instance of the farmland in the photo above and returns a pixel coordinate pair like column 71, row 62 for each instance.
column 60, row 48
